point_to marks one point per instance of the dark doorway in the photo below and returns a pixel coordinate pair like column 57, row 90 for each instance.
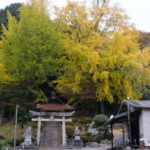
column 135, row 130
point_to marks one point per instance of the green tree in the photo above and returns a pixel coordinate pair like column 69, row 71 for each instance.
column 102, row 51
column 13, row 9
column 31, row 48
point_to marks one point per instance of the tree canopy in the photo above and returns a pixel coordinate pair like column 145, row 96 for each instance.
column 32, row 51
column 31, row 47
column 103, row 52
column 85, row 50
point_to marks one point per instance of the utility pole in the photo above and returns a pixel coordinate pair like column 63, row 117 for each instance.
column 129, row 121
column 16, row 119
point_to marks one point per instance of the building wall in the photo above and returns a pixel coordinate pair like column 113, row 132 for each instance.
column 144, row 124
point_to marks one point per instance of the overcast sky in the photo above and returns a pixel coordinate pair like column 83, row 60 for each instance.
column 137, row 10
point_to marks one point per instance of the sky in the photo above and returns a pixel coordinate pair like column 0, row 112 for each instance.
column 137, row 10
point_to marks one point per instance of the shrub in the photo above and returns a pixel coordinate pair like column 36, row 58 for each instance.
column 92, row 138
column 98, row 138
column 100, row 119
column 81, row 120
column 32, row 124
column 101, row 134
column 4, row 143
column 87, row 126
column 78, row 125
column 108, row 136
column 84, row 138
column 18, row 141
column 70, row 131
column 70, row 123
column 23, row 116
column 87, row 120
column 101, row 128
column 74, row 120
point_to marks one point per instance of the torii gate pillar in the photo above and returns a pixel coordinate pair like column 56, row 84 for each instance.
column 63, row 132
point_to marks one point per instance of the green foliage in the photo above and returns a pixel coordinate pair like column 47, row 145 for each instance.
column 108, row 136
column 23, row 117
column 100, row 119
column 81, row 52
column 87, row 126
column 33, row 124
column 70, row 123
column 70, row 131
column 74, row 119
column 4, row 143
column 84, row 138
column 102, row 51
column 87, row 120
column 18, row 142
column 33, row 45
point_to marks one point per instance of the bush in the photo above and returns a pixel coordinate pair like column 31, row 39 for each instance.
column 87, row 126
column 4, row 143
column 81, row 120
column 101, row 134
column 23, row 116
column 84, row 138
column 70, row 123
column 108, row 136
column 18, row 141
column 32, row 124
column 74, row 120
column 92, row 138
column 70, row 131
column 98, row 138
column 101, row 128
column 87, row 120
column 100, row 119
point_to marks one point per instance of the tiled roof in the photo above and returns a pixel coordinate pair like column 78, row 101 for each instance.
column 138, row 103
column 134, row 106
column 54, row 104
column 54, row 107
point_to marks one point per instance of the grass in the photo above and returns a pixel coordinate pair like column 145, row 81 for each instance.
column 7, row 130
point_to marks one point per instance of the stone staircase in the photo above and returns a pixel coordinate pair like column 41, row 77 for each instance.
column 51, row 136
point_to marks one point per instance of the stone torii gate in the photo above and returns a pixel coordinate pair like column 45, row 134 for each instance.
column 52, row 116
column 53, row 111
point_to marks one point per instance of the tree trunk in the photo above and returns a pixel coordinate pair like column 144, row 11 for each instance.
column 102, row 107
column 1, row 115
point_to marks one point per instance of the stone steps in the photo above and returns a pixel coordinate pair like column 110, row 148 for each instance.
column 51, row 135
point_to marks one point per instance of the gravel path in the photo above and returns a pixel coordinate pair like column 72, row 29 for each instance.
column 102, row 147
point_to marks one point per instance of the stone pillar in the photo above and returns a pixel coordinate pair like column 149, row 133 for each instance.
column 38, row 131
column 63, row 132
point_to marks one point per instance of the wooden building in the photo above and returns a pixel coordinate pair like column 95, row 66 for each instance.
column 134, row 115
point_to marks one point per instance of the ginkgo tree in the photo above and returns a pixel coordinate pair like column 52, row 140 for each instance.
column 85, row 50
column 102, row 51
column 31, row 47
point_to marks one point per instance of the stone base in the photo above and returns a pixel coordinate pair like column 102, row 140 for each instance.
column 77, row 144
